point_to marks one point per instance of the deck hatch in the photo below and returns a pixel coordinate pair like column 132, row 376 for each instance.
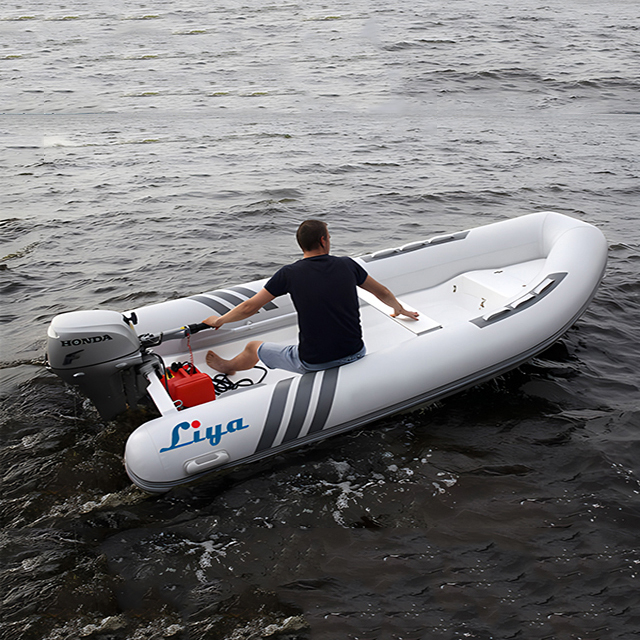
column 528, row 299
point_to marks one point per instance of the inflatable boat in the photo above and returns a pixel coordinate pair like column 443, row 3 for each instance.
column 489, row 298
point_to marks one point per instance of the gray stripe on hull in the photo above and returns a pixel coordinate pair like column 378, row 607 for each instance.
column 274, row 415
column 218, row 307
column 222, row 308
column 229, row 297
column 325, row 401
column 300, row 407
column 250, row 293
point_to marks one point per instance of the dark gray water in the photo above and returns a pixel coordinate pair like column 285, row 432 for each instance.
column 155, row 151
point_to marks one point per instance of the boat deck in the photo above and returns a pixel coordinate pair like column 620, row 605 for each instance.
column 460, row 299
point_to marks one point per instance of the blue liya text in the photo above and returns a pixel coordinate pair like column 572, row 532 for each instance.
column 212, row 434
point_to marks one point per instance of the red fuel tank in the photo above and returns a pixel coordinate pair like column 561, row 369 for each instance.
column 188, row 386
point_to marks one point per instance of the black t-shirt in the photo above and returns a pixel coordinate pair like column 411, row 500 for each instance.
column 323, row 290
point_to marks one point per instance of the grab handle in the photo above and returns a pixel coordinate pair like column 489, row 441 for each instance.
column 194, row 328
column 206, row 462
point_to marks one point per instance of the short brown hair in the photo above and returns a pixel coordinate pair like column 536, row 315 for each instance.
column 310, row 234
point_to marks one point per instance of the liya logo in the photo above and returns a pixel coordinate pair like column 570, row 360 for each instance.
column 212, row 434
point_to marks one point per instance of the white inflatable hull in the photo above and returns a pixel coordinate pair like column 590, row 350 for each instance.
column 490, row 299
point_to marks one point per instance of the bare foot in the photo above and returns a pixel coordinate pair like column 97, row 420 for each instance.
column 219, row 364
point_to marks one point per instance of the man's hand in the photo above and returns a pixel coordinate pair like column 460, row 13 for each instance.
column 213, row 321
column 385, row 296
column 401, row 311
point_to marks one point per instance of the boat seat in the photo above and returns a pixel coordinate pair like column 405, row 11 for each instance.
column 423, row 324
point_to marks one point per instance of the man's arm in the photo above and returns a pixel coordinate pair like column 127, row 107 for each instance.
column 384, row 295
column 244, row 310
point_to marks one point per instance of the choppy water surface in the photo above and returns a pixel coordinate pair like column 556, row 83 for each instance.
column 154, row 151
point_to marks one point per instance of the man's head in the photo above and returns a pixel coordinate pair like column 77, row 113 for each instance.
column 311, row 233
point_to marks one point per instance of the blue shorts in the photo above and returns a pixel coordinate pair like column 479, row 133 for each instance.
column 275, row 356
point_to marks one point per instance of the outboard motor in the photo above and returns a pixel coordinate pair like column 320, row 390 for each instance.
column 100, row 352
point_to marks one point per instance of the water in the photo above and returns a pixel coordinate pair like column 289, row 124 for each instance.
column 150, row 152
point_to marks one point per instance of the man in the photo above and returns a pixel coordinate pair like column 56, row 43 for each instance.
column 323, row 290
